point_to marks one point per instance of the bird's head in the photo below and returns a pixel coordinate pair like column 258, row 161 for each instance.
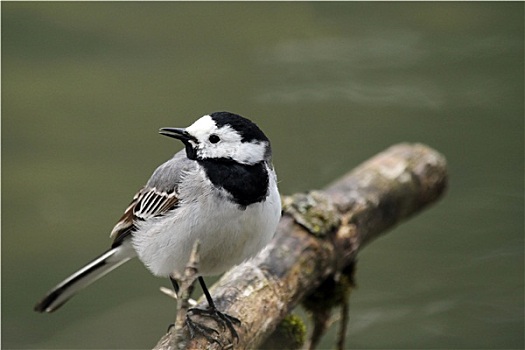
column 223, row 136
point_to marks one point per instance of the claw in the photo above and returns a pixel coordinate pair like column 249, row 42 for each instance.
column 223, row 319
column 194, row 328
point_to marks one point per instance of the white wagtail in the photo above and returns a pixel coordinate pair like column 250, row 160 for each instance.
column 222, row 190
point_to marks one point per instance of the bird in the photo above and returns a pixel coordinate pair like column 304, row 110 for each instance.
column 221, row 189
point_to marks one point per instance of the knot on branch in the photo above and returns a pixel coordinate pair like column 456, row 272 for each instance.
column 313, row 210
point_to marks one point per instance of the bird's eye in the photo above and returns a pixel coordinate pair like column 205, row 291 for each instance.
column 214, row 138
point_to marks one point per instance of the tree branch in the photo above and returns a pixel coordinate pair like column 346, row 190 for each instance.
column 320, row 234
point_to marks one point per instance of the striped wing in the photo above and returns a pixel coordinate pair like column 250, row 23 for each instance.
column 147, row 203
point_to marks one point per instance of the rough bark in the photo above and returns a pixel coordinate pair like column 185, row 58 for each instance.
column 319, row 235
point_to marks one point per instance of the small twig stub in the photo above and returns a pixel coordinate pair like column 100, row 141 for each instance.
column 186, row 286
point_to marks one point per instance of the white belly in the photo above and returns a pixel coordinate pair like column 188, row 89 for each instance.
column 227, row 234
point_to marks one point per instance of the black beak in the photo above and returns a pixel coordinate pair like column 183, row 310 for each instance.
column 176, row 133
column 185, row 137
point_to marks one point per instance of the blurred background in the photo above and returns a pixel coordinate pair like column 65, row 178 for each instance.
column 86, row 86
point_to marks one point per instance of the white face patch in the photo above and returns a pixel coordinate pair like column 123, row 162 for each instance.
column 251, row 152
column 202, row 128
column 229, row 144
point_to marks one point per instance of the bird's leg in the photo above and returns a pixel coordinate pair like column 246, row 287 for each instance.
column 175, row 285
column 212, row 312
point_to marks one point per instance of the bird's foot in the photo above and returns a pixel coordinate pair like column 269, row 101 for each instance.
column 221, row 318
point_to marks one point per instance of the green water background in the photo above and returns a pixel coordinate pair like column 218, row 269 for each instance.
column 85, row 87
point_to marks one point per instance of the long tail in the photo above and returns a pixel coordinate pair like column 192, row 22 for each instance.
column 97, row 268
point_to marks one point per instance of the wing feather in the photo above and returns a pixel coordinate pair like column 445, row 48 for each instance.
column 157, row 198
column 147, row 203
